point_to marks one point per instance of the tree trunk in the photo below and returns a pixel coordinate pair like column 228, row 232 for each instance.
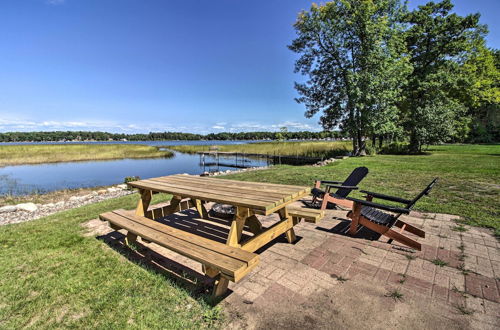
column 361, row 145
column 355, row 146
column 374, row 140
column 414, row 143
column 380, row 141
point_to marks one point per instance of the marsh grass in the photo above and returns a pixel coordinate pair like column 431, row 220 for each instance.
column 53, row 276
column 55, row 153
column 319, row 149
column 469, row 184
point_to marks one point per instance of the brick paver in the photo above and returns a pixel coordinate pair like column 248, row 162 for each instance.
column 459, row 271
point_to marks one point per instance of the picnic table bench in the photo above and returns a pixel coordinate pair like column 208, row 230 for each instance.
column 223, row 262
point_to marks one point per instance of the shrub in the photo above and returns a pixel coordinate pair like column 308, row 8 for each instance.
column 395, row 148
column 130, row 179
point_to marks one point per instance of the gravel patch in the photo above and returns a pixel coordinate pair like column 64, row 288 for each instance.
column 30, row 211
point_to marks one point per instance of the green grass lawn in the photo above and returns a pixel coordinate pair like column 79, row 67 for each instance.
column 324, row 149
column 53, row 153
column 469, row 175
column 51, row 276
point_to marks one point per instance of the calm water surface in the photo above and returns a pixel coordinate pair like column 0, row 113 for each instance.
column 26, row 179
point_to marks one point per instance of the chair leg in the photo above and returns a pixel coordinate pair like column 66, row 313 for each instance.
column 355, row 216
column 324, row 203
column 391, row 234
column 409, row 228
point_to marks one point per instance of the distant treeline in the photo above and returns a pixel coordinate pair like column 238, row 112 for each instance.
column 104, row 136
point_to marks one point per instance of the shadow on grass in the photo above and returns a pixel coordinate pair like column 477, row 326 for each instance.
column 194, row 283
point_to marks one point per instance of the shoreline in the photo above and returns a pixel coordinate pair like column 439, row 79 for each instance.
column 28, row 211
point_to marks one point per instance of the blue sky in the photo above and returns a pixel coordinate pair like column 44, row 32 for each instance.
column 156, row 65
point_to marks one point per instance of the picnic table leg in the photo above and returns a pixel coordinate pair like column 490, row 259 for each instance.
column 142, row 206
column 220, row 287
column 290, row 233
column 242, row 213
column 254, row 224
column 174, row 206
column 201, row 209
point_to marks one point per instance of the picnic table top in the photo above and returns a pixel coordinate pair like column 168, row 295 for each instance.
column 264, row 197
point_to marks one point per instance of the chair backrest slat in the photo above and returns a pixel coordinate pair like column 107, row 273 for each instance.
column 352, row 180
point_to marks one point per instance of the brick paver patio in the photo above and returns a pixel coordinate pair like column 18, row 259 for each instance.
column 328, row 279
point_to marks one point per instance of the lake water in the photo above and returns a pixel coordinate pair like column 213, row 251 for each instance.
column 26, row 179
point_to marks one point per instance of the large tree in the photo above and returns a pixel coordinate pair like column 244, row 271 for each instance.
column 439, row 43
column 351, row 51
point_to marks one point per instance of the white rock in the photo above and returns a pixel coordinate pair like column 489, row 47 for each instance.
column 50, row 205
column 95, row 193
column 102, row 191
column 8, row 208
column 122, row 186
column 29, row 207
column 111, row 189
column 59, row 204
column 74, row 198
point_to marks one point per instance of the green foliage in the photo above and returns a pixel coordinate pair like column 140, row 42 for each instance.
column 351, row 51
column 395, row 294
column 130, row 179
column 395, row 148
column 438, row 42
column 439, row 262
column 164, row 136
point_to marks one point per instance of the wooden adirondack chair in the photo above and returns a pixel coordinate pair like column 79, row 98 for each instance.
column 323, row 197
column 367, row 214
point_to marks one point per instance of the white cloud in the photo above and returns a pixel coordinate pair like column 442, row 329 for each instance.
column 12, row 125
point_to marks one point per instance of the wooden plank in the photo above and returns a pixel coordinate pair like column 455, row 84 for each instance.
column 191, row 238
column 227, row 187
column 237, row 225
column 290, row 233
column 310, row 215
column 201, row 209
column 256, row 186
column 221, row 191
column 259, row 205
column 220, row 287
column 143, row 204
column 249, row 182
column 227, row 265
column 199, row 191
column 268, row 235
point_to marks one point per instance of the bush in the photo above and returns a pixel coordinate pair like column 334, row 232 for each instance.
column 370, row 150
column 395, row 148
column 130, row 179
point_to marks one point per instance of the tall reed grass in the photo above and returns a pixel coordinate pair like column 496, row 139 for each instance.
column 317, row 149
column 53, row 153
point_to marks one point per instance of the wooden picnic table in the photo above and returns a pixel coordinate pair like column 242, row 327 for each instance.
column 249, row 198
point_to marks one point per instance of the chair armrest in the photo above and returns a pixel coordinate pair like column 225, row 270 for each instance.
column 386, row 197
column 380, row 206
column 328, row 186
column 332, row 182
